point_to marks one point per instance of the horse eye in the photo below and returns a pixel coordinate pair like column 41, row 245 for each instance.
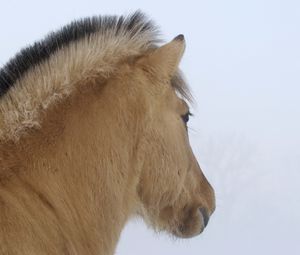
column 186, row 117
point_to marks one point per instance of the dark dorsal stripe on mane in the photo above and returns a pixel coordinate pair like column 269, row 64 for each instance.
column 42, row 50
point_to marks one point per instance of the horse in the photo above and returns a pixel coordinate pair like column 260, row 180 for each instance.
column 93, row 132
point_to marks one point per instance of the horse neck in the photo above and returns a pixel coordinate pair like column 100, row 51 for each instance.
column 80, row 165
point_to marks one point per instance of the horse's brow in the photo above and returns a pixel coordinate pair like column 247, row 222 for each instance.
column 180, row 86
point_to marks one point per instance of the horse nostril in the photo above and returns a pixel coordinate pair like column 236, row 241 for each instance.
column 204, row 215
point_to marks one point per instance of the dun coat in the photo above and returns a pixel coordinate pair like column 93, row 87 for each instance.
column 93, row 131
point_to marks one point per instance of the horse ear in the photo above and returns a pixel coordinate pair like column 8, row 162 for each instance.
column 165, row 59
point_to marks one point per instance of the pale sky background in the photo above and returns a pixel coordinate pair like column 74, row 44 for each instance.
column 243, row 64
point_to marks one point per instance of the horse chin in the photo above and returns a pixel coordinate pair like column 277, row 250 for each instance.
column 190, row 227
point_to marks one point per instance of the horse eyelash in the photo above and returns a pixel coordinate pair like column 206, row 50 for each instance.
column 190, row 114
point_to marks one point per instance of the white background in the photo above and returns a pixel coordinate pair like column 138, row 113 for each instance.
column 243, row 64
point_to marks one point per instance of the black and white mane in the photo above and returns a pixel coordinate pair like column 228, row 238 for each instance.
column 75, row 31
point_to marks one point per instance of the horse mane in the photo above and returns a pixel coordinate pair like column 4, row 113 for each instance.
column 40, row 51
column 50, row 69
